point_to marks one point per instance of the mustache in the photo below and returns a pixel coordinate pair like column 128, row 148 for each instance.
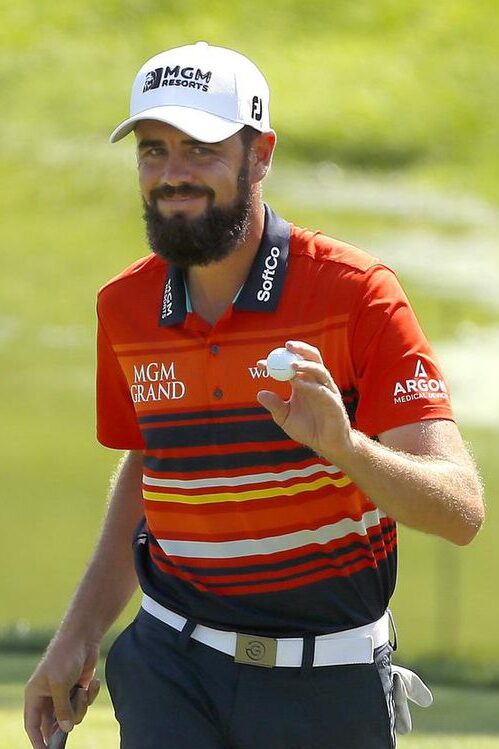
column 183, row 190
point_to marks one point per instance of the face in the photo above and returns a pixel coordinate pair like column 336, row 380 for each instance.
column 197, row 196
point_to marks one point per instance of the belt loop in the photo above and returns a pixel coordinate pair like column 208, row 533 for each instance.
column 185, row 635
column 394, row 644
column 307, row 660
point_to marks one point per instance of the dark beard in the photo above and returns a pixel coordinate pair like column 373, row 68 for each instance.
column 202, row 240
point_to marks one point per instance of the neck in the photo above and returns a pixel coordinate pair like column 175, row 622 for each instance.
column 213, row 287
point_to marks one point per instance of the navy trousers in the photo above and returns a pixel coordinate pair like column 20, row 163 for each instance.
column 171, row 692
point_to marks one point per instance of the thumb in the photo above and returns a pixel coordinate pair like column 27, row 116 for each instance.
column 93, row 690
column 62, row 708
column 278, row 408
column 83, row 698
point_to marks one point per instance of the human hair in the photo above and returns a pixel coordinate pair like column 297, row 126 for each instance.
column 248, row 135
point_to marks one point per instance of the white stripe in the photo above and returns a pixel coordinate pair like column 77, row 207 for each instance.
column 273, row 544
column 260, row 478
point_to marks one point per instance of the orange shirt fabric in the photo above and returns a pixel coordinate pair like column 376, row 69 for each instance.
column 247, row 529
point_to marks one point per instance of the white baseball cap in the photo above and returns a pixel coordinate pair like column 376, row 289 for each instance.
column 207, row 92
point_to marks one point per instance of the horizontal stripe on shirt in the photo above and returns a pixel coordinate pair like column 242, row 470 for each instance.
column 207, row 415
column 207, row 434
column 250, row 547
column 249, row 478
column 267, row 493
column 221, row 462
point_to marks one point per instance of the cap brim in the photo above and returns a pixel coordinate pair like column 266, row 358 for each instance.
column 203, row 126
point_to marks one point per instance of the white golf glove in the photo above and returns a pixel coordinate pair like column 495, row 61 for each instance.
column 407, row 686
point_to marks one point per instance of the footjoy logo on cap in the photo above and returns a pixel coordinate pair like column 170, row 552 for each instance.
column 186, row 76
column 256, row 108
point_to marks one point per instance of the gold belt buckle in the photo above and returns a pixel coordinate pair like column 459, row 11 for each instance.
column 258, row 651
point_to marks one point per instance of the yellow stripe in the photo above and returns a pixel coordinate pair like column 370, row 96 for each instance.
column 198, row 499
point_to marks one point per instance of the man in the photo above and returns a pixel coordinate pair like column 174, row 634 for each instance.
column 267, row 555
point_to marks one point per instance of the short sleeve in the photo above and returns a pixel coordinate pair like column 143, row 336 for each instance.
column 399, row 379
column 116, row 420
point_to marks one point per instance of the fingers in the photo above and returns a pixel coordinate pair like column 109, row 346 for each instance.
column 310, row 353
column 278, row 408
column 59, row 692
column 80, row 704
column 88, row 670
column 93, row 690
column 33, row 719
column 63, row 707
column 83, row 698
column 309, row 369
column 71, row 709
column 40, row 723
column 312, row 372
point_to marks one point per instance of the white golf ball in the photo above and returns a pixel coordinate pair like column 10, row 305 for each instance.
column 279, row 364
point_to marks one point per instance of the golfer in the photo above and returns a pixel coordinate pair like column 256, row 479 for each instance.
column 258, row 517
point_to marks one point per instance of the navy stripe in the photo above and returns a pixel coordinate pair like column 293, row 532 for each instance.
column 220, row 413
column 258, row 459
column 200, row 435
column 302, row 575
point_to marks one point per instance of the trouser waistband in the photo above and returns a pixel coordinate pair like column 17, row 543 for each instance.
column 338, row 648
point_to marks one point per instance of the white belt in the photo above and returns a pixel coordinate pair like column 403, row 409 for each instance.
column 339, row 648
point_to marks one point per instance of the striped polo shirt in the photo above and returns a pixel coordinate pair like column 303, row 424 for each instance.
column 247, row 529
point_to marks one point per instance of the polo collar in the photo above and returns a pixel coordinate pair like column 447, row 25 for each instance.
column 262, row 289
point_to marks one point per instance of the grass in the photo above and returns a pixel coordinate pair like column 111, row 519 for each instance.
column 459, row 718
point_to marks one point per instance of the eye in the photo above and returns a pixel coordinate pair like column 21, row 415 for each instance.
column 156, row 151
column 201, row 150
column 151, row 153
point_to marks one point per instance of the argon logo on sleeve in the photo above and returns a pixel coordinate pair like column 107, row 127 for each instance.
column 419, row 386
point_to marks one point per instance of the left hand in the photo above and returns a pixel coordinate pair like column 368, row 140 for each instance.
column 314, row 415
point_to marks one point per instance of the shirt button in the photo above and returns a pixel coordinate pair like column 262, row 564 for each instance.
column 218, row 393
column 214, row 349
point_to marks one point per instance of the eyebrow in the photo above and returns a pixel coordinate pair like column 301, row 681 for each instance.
column 151, row 143
column 147, row 143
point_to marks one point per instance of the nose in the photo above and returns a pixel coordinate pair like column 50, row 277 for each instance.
column 175, row 170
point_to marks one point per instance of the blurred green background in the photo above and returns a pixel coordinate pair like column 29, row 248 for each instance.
column 386, row 114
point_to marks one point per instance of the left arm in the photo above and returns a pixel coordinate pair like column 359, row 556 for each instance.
column 420, row 474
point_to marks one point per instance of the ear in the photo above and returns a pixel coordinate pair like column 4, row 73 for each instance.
column 260, row 155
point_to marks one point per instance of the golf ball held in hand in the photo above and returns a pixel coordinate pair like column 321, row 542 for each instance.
column 279, row 364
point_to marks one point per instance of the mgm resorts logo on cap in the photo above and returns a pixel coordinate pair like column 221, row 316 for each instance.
column 207, row 92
